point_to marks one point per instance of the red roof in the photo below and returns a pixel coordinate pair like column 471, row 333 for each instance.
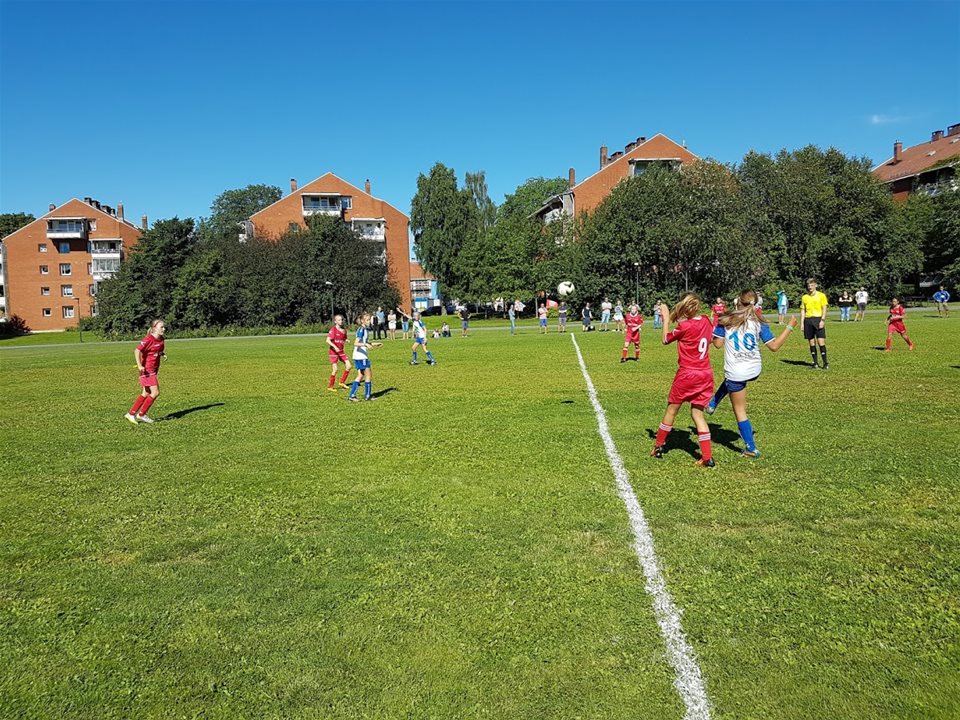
column 914, row 160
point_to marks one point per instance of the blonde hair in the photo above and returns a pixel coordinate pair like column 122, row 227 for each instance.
column 688, row 307
column 745, row 310
column 361, row 317
column 153, row 325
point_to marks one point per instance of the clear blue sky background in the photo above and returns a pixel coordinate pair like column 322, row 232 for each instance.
column 164, row 105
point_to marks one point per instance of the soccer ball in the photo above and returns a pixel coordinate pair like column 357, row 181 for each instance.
column 565, row 288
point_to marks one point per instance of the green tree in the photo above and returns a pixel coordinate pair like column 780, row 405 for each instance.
column 11, row 222
column 941, row 247
column 476, row 185
column 443, row 219
column 232, row 207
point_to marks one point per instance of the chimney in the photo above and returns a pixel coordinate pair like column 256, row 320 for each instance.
column 897, row 151
column 51, row 207
column 642, row 139
column 366, row 186
column 572, row 177
column 953, row 130
column 937, row 135
column 143, row 222
column 96, row 204
column 293, row 185
column 88, row 201
column 616, row 156
column 629, row 147
column 120, row 210
column 603, row 156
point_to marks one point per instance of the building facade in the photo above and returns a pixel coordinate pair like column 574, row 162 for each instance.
column 54, row 264
column 376, row 220
column 633, row 160
column 924, row 168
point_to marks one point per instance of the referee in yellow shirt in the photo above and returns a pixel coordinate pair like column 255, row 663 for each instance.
column 813, row 314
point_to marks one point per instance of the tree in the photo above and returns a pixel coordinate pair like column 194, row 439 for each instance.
column 476, row 185
column 11, row 222
column 942, row 245
column 232, row 207
column 443, row 218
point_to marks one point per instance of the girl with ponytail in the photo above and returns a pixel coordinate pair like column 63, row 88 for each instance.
column 740, row 333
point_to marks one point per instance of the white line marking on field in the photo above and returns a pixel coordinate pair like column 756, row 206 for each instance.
column 688, row 679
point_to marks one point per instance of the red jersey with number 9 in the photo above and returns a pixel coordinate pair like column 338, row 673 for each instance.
column 693, row 343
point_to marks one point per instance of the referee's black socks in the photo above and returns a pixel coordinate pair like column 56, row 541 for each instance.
column 813, row 353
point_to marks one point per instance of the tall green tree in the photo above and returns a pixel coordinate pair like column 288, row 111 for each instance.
column 443, row 219
column 476, row 185
column 942, row 245
column 11, row 222
column 232, row 207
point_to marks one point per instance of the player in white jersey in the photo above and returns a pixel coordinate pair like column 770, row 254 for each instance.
column 740, row 333
column 361, row 361
column 419, row 338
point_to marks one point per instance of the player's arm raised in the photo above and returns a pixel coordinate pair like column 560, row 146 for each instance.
column 665, row 317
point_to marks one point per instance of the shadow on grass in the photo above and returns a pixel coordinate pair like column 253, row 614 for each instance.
column 381, row 393
column 802, row 363
column 181, row 413
column 881, row 348
column 679, row 440
column 566, row 402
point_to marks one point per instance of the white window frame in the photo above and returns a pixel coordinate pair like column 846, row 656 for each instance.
column 67, row 266
column 68, row 312
column 44, row 291
column 66, row 291
column 44, row 269
column 47, row 312
column 41, row 247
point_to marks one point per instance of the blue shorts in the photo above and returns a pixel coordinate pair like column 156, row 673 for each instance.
column 738, row 385
column 420, row 341
column 464, row 324
column 543, row 322
column 362, row 364
column 782, row 309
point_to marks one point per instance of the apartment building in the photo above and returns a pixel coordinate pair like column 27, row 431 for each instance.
column 53, row 265
column 923, row 168
column 376, row 220
column 633, row 160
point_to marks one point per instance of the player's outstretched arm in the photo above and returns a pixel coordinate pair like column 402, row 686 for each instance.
column 665, row 317
column 780, row 339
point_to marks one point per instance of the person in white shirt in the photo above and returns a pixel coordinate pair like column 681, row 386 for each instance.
column 860, row 297
column 605, row 307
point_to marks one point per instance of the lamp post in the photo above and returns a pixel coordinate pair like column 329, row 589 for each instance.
column 330, row 286
column 636, row 277
column 79, row 325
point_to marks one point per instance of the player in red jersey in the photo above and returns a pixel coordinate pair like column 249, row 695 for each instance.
column 634, row 321
column 895, row 323
column 718, row 309
column 335, row 341
column 148, row 354
column 693, row 382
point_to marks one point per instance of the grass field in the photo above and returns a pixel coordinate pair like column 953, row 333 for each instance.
column 457, row 549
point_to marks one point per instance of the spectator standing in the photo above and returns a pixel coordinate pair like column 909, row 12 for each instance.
column 542, row 318
column 512, row 314
column 618, row 316
column 783, row 306
column 861, row 297
column 392, row 325
column 845, row 302
column 464, row 321
column 586, row 316
column 381, row 323
column 657, row 319
column 605, row 307
column 562, row 317
column 941, row 297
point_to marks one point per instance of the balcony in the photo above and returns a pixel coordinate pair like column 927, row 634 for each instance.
column 103, row 268
column 106, row 249
column 374, row 229
column 67, row 229
column 324, row 205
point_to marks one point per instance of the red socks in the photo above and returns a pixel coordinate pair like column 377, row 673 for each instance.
column 343, row 378
column 147, row 402
column 333, row 379
column 636, row 353
column 888, row 343
column 662, row 433
column 706, row 448
column 136, row 405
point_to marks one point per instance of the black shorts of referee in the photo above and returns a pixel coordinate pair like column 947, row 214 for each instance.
column 812, row 329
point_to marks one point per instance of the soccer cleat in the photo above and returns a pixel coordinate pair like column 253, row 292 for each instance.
column 145, row 419
column 657, row 451
column 710, row 409
column 333, row 390
column 344, row 386
column 353, row 398
column 826, row 366
column 414, row 362
column 368, row 399
column 751, row 453
column 814, row 366
column 431, row 362
column 706, row 463
column 132, row 418
column 623, row 360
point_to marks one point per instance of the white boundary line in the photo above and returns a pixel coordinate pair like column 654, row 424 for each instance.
column 688, row 679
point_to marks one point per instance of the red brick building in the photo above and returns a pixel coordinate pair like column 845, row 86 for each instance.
column 52, row 266
column 375, row 220
column 924, row 167
column 633, row 160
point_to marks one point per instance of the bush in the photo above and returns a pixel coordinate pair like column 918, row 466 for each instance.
column 13, row 326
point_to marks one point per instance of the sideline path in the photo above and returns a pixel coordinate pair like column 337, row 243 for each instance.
column 688, row 679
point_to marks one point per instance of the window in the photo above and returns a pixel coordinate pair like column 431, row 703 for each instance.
column 64, row 268
column 66, row 290
column 64, row 247
column 89, row 268
column 44, row 291
column 44, row 269
column 93, row 224
column 67, row 312
column 47, row 312
column 106, row 265
column 42, row 247
column 346, row 203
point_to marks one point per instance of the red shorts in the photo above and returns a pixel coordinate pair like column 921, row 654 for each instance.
column 337, row 357
column 896, row 326
column 692, row 386
column 148, row 379
column 631, row 336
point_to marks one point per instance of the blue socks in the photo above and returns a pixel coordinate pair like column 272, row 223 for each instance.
column 367, row 387
column 746, row 432
column 353, row 388
column 720, row 394
column 429, row 356
column 414, row 355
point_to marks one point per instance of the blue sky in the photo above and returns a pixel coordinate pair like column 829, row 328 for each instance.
column 164, row 105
